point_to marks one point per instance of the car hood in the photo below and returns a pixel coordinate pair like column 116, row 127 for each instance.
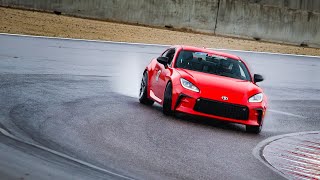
column 215, row 87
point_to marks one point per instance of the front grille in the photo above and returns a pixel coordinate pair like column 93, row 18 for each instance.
column 222, row 109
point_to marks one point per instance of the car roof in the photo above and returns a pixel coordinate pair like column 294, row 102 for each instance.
column 193, row 48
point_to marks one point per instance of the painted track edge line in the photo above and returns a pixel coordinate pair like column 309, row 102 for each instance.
column 286, row 113
column 9, row 135
column 87, row 40
column 159, row 45
column 257, row 150
column 270, row 53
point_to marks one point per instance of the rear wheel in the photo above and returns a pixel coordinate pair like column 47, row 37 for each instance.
column 254, row 129
column 167, row 102
column 143, row 95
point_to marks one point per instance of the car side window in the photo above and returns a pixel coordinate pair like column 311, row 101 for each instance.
column 169, row 54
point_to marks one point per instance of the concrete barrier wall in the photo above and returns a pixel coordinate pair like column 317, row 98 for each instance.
column 260, row 19
column 243, row 19
column 199, row 15
column 306, row 5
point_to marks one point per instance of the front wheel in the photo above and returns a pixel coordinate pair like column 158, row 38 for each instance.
column 254, row 129
column 143, row 96
column 167, row 102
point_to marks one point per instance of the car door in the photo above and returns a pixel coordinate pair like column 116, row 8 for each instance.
column 162, row 72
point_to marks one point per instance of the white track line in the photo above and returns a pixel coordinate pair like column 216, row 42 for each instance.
column 159, row 45
column 286, row 113
column 87, row 40
column 9, row 135
column 258, row 52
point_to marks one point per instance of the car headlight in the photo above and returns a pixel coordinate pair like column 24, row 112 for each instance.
column 256, row 98
column 188, row 85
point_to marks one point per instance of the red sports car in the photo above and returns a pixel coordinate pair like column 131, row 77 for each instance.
column 205, row 83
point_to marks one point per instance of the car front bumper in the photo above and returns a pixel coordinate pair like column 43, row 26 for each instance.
column 188, row 102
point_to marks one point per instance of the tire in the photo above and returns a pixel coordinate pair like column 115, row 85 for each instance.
column 167, row 102
column 254, row 129
column 143, row 94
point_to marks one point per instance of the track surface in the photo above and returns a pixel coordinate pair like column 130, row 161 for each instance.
column 80, row 98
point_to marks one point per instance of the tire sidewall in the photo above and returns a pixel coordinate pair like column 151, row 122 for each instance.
column 144, row 97
column 144, row 93
column 167, row 103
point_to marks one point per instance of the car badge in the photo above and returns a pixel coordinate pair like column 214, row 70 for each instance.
column 225, row 98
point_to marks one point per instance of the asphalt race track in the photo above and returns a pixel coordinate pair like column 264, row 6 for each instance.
column 80, row 98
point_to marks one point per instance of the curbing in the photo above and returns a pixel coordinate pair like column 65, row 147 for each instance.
column 257, row 151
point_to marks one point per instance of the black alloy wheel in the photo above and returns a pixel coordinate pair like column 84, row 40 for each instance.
column 143, row 96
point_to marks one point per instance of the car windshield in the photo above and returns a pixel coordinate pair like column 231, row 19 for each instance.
column 212, row 64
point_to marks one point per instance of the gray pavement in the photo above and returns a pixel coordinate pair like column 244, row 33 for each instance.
column 19, row 160
column 80, row 98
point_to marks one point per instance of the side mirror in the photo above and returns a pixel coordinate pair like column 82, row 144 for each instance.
column 257, row 78
column 163, row 60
